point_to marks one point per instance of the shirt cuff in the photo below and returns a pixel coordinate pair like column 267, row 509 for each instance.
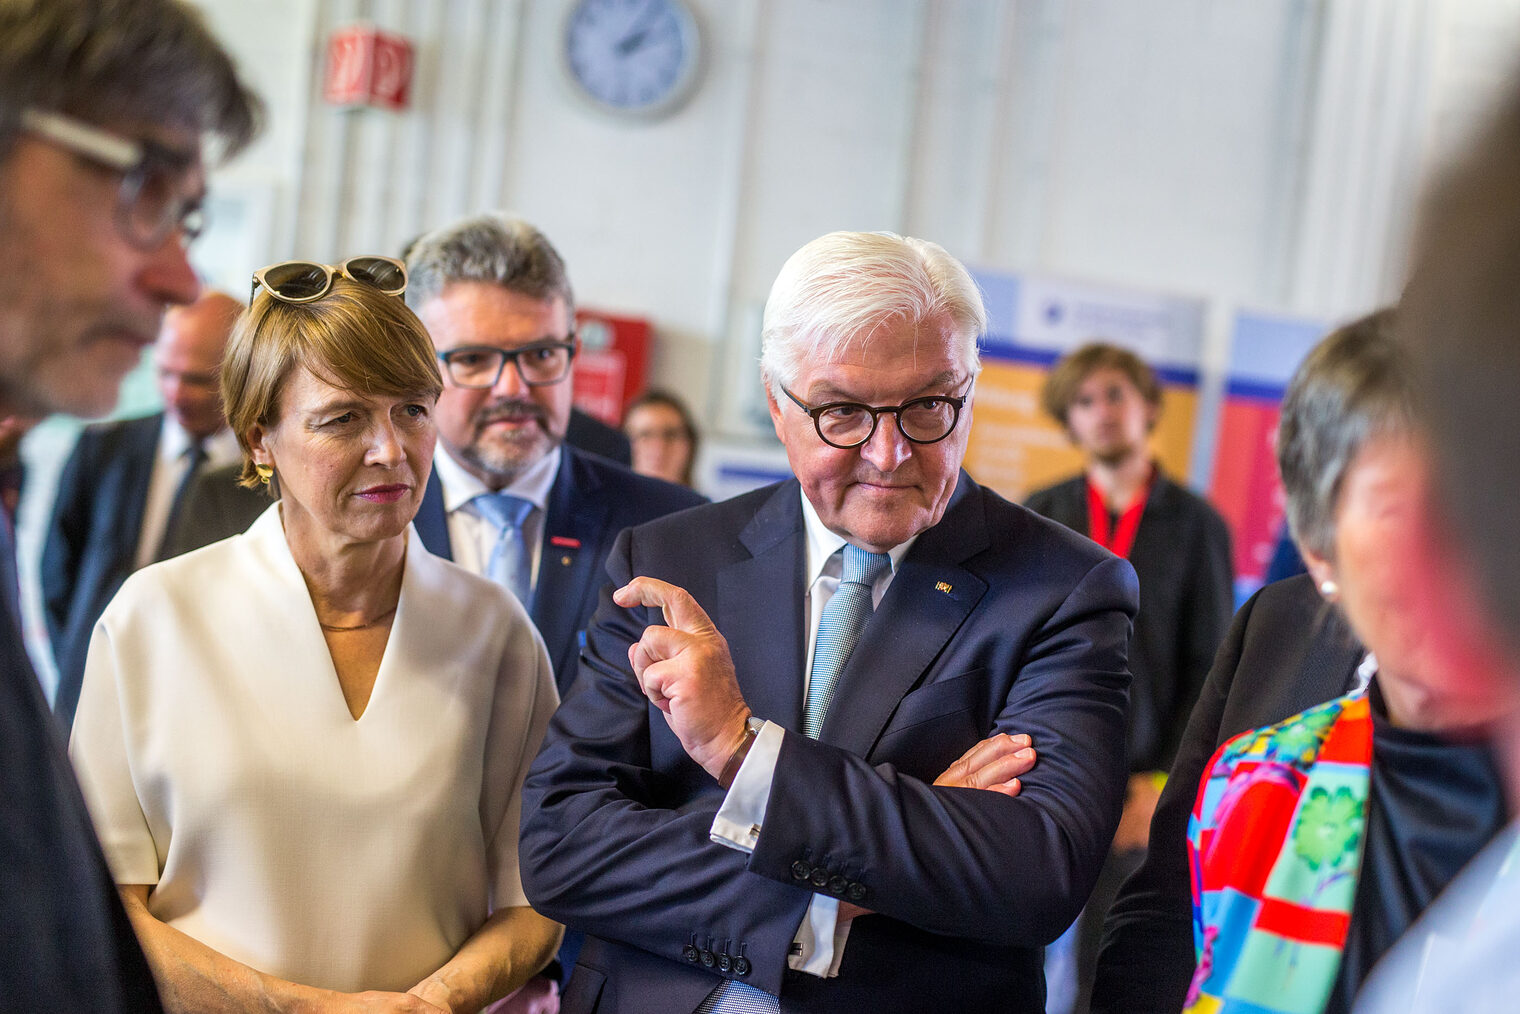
column 742, row 814
column 819, row 945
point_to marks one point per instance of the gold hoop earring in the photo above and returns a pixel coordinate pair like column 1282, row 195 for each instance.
column 265, row 472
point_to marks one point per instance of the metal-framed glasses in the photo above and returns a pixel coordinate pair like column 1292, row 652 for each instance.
column 847, row 424
column 308, row 281
column 152, row 203
column 538, row 365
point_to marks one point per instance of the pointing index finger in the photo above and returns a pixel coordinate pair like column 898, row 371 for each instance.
column 679, row 608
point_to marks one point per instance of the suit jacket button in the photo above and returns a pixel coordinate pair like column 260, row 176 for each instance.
column 838, row 885
column 801, row 870
column 856, row 892
column 725, row 963
column 708, row 959
column 690, row 953
column 741, row 965
column 820, row 876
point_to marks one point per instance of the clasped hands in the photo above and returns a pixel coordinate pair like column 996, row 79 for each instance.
column 685, row 669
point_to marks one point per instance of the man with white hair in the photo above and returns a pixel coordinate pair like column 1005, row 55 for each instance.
column 763, row 788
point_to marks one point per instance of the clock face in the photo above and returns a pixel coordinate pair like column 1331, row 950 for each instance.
column 632, row 56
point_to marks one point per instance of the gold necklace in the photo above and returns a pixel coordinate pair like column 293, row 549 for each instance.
column 336, row 629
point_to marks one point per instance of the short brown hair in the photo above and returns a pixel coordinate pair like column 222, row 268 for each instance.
column 355, row 337
column 1075, row 367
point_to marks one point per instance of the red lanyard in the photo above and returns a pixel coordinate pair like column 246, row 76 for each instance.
column 1122, row 539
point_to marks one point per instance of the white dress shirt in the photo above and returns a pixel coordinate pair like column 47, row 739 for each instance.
column 471, row 536
column 819, row 944
column 169, row 464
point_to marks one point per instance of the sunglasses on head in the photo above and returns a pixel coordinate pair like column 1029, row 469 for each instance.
column 308, row 281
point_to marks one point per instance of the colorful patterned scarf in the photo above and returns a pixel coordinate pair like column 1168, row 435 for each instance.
column 1275, row 850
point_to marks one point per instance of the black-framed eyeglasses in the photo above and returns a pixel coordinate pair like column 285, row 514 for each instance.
column 538, row 365
column 847, row 424
column 152, row 203
column 308, row 281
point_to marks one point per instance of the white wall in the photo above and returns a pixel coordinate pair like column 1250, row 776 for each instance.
column 1264, row 154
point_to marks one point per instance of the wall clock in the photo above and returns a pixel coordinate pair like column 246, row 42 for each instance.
column 633, row 57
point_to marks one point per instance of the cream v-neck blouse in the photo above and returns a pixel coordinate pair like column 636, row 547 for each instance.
column 221, row 763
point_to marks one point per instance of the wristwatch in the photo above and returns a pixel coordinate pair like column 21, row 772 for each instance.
column 752, row 727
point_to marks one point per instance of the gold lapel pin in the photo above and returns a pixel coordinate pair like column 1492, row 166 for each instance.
column 942, row 586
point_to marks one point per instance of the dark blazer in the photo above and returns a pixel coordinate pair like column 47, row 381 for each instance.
column 216, row 507
column 92, row 542
column 591, row 501
column 1286, row 651
column 996, row 620
column 1187, row 592
column 65, row 942
column 591, row 434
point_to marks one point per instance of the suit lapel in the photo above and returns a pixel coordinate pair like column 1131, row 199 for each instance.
column 760, row 609
column 929, row 598
column 569, row 556
column 432, row 521
column 141, row 447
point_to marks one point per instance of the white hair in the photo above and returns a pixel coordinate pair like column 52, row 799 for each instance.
column 841, row 288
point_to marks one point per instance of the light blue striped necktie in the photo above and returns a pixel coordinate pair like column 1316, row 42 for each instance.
column 509, row 564
column 844, row 617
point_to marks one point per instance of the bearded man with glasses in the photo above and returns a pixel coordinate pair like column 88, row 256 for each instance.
column 103, row 106
column 795, row 770
column 508, row 496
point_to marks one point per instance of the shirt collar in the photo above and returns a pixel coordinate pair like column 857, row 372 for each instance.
column 460, row 487
column 822, row 543
column 173, row 442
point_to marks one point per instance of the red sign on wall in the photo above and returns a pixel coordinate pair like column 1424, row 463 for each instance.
column 368, row 67
column 611, row 367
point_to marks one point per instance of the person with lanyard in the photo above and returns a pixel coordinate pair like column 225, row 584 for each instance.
column 1108, row 400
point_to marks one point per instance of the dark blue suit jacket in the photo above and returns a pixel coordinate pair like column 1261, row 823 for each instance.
column 92, row 542
column 996, row 620
column 65, row 942
column 591, row 501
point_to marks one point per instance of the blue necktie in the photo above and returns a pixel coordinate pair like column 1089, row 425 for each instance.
column 844, row 617
column 510, row 564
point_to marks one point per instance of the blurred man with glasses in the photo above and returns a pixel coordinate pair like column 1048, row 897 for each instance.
column 795, row 770
column 103, row 107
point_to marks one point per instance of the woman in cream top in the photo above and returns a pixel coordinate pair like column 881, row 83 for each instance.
column 303, row 746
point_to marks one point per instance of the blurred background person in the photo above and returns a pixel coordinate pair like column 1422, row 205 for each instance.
column 1108, row 401
column 303, row 747
column 663, row 436
column 1354, row 814
column 123, row 489
column 104, row 105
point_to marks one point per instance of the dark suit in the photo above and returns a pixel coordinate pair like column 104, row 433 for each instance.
column 216, row 507
column 65, row 943
column 92, row 542
column 1286, row 651
column 591, row 501
column 591, row 434
column 996, row 620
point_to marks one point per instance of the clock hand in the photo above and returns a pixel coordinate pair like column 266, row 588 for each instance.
column 635, row 39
